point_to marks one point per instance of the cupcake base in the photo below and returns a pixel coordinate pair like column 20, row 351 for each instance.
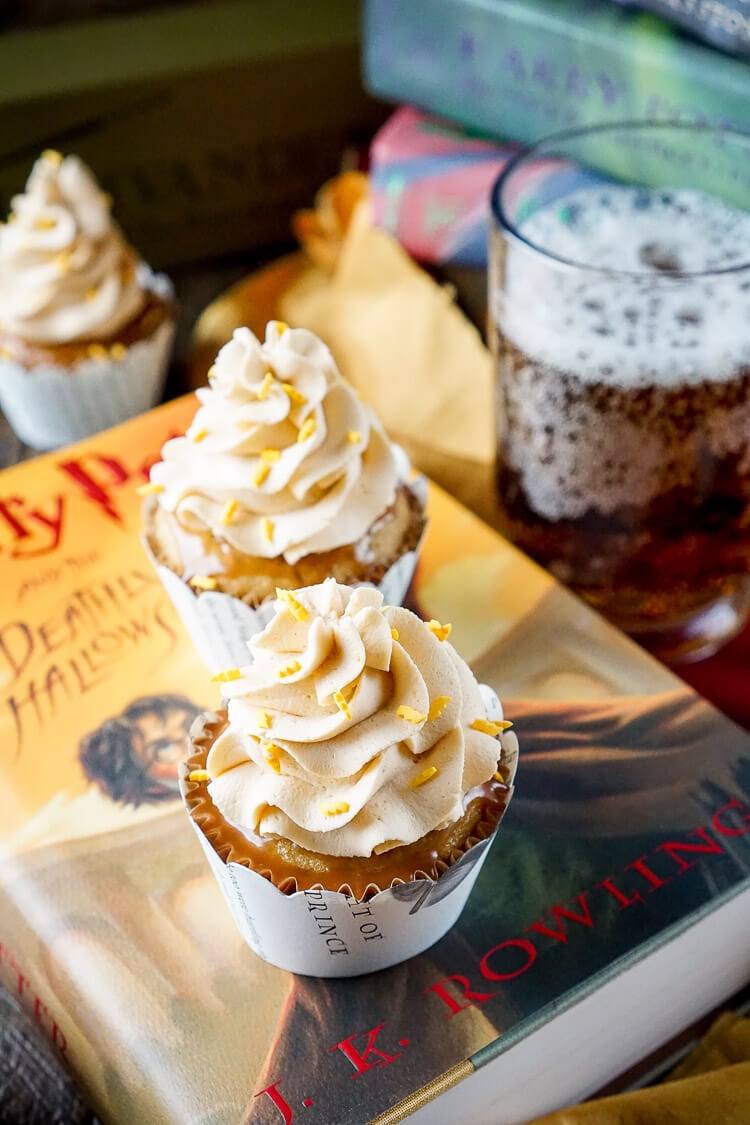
column 55, row 396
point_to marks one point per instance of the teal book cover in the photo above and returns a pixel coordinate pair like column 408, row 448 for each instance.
column 521, row 70
column 629, row 827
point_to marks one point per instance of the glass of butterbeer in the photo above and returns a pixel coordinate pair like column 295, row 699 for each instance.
column 619, row 308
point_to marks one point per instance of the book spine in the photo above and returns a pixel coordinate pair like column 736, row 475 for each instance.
column 522, row 70
column 722, row 23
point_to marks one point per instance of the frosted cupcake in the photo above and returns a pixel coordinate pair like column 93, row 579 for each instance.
column 85, row 327
column 283, row 478
column 356, row 761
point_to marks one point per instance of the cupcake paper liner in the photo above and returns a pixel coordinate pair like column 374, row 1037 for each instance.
column 51, row 405
column 326, row 933
column 220, row 625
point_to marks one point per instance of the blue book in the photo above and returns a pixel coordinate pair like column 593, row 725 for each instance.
column 722, row 23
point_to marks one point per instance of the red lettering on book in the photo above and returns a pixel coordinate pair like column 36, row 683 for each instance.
column 527, row 948
column 468, row 995
column 732, row 806
column 650, row 876
column 97, row 484
column 359, row 1059
column 278, row 1100
column 559, row 912
column 20, row 519
column 611, row 887
column 674, row 847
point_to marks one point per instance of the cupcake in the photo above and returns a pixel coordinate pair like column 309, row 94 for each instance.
column 85, row 327
column 283, row 478
column 356, row 765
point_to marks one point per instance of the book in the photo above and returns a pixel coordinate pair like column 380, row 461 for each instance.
column 722, row 23
column 525, row 70
column 169, row 107
column 430, row 186
column 612, row 911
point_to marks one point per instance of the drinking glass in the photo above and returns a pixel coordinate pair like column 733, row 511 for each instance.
column 619, row 299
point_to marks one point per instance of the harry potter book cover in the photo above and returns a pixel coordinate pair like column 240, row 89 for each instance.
column 626, row 850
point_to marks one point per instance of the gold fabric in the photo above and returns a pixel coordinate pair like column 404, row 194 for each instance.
column 710, row 1087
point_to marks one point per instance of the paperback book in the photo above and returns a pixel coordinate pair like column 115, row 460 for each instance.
column 623, row 863
column 521, row 71
column 723, row 23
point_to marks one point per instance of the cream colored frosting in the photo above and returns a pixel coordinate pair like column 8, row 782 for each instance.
column 66, row 272
column 330, row 742
column 282, row 458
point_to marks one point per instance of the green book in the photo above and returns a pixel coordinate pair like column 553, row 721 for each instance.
column 522, row 69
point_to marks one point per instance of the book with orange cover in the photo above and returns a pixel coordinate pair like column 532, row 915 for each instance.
column 624, row 860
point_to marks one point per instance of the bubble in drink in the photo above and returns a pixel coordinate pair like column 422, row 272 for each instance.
column 624, row 393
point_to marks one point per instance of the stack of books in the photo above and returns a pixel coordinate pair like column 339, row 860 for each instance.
column 514, row 72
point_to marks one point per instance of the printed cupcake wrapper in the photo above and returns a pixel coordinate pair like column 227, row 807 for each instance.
column 52, row 405
column 221, row 625
column 329, row 933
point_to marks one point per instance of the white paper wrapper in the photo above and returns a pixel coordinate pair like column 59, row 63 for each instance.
column 220, row 625
column 52, row 405
column 329, row 934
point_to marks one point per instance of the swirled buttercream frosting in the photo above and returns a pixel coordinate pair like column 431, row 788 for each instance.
column 66, row 272
column 356, row 729
column 282, row 458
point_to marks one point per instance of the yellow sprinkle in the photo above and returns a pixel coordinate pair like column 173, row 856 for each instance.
column 307, row 429
column 62, row 261
column 442, row 632
column 265, row 388
column 290, row 669
column 497, row 776
column 148, row 489
column 353, row 436
column 203, row 582
column 230, row 508
column 97, row 351
column 295, row 396
column 261, row 473
column 225, row 676
column 198, row 775
column 281, row 327
column 298, row 611
column 91, row 293
column 263, row 719
column 410, row 714
column 270, row 455
column 438, row 705
column 423, row 777
column 53, row 157
column 44, row 224
column 211, row 373
column 335, row 808
column 271, row 752
column 199, row 435
column 341, row 703
column 118, row 351
column 394, row 634
column 268, row 529
column 488, row 726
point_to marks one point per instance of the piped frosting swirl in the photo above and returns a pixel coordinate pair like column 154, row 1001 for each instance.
column 282, row 458
column 354, row 730
column 66, row 272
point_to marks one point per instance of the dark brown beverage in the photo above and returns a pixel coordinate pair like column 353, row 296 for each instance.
column 623, row 405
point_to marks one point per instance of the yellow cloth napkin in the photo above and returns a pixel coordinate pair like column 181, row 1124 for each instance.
column 710, row 1087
